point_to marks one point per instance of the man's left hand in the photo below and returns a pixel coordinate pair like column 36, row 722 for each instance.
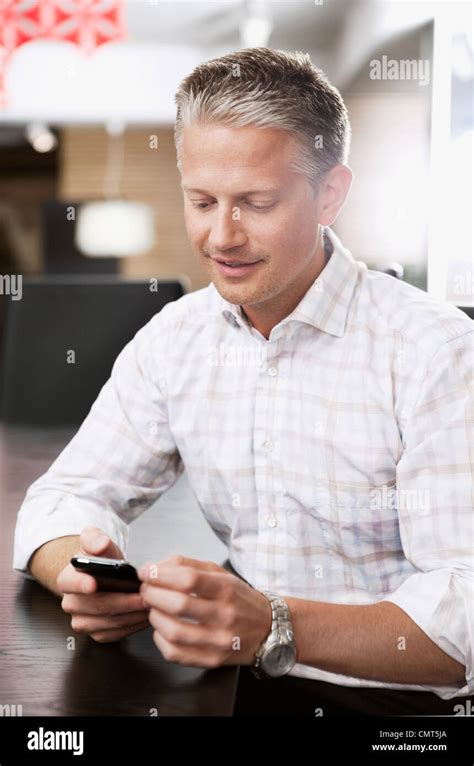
column 203, row 615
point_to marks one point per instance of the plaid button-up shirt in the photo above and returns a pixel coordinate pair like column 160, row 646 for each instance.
column 333, row 459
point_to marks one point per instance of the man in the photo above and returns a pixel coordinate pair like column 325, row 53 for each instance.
column 321, row 411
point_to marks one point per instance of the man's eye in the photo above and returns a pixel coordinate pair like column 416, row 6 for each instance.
column 205, row 205
column 201, row 205
column 261, row 207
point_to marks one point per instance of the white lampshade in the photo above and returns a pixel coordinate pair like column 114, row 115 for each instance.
column 115, row 228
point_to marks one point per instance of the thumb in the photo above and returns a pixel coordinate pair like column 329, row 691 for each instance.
column 96, row 543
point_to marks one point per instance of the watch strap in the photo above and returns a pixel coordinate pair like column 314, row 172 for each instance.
column 281, row 627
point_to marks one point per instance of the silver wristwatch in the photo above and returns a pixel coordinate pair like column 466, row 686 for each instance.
column 277, row 654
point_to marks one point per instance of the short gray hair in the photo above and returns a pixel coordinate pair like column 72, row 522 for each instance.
column 271, row 89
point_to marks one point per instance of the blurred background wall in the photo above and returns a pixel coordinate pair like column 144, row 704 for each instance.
column 76, row 95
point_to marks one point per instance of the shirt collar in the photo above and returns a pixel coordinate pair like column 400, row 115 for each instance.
column 325, row 305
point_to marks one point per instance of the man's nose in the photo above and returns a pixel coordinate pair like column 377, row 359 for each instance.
column 226, row 231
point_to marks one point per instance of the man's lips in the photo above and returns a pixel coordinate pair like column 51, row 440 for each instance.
column 237, row 269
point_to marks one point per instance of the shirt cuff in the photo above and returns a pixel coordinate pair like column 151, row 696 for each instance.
column 441, row 602
column 59, row 514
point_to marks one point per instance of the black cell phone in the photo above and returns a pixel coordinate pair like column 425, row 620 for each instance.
column 111, row 574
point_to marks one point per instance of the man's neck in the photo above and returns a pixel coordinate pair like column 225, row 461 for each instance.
column 265, row 316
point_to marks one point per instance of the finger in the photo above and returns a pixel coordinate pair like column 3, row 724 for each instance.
column 71, row 581
column 188, row 579
column 189, row 634
column 190, row 657
column 178, row 560
column 90, row 624
column 103, row 603
column 95, row 542
column 149, row 570
column 182, row 605
column 207, row 566
column 107, row 636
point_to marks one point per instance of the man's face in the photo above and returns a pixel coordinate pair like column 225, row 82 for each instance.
column 243, row 203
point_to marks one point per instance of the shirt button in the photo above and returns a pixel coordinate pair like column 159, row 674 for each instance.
column 268, row 446
column 272, row 371
column 272, row 522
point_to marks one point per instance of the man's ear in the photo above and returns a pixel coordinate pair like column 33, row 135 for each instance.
column 333, row 192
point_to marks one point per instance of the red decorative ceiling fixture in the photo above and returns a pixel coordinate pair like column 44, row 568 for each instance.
column 87, row 23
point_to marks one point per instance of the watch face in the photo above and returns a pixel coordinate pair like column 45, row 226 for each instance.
column 279, row 660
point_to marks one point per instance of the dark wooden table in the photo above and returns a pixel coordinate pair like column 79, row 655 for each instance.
column 38, row 670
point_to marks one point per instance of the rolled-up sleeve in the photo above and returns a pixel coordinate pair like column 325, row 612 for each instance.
column 435, row 501
column 122, row 458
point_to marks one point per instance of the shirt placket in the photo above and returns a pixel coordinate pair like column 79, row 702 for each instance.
column 266, row 451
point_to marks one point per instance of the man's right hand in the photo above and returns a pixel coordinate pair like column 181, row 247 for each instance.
column 104, row 616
